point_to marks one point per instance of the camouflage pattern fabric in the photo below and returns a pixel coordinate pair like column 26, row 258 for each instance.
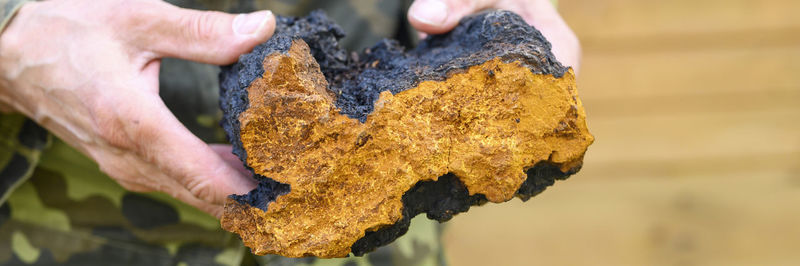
column 21, row 140
column 57, row 208
column 7, row 10
column 21, row 145
column 69, row 213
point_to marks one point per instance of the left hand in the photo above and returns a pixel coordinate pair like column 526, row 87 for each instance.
column 440, row 16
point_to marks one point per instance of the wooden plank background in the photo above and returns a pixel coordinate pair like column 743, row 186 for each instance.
column 696, row 109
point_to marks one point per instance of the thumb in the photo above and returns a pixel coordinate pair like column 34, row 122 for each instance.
column 440, row 16
column 205, row 36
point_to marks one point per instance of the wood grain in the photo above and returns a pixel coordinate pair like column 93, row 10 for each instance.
column 695, row 106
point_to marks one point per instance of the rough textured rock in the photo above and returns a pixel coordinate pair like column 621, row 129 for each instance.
column 349, row 147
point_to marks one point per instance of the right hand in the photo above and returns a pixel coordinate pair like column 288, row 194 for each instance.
column 440, row 16
column 88, row 72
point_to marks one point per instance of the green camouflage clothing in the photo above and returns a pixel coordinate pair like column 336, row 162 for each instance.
column 7, row 9
column 56, row 207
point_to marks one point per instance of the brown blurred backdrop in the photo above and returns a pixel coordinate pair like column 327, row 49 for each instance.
column 696, row 109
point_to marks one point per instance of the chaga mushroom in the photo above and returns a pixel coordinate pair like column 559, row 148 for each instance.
column 347, row 148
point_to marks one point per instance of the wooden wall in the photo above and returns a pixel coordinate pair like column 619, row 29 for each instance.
column 696, row 109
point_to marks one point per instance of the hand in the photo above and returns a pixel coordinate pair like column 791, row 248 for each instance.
column 439, row 16
column 88, row 72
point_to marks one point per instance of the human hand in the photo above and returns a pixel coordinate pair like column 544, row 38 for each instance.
column 439, row 16
column 88, row 72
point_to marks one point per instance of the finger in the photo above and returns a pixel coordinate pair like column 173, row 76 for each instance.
column 149, row 75
column 133, row 186
column 135, row 174
column 150, row 129
column 203, row 36
column 225, row 152
column 542, row 14
column 440, row 16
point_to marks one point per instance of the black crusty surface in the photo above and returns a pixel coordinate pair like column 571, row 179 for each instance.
column 358, row 78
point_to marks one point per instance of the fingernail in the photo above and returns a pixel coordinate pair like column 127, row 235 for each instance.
column 252, row 23
column 431, row 12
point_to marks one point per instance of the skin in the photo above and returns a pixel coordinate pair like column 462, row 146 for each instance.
column 88, row 72
column 439, row 16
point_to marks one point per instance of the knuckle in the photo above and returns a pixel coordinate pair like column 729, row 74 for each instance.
column 201, row 189
column 199, row 26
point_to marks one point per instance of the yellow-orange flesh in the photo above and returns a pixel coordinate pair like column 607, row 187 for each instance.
column 486, row 125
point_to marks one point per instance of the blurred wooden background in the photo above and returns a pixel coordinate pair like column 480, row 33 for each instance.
column 696, row 110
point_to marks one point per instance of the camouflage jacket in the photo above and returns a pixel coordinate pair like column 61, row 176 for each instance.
column 56, row 207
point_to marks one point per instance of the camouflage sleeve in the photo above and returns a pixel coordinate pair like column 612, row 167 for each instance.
column 21, row 140
column 7, row 10
column 21, row 144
